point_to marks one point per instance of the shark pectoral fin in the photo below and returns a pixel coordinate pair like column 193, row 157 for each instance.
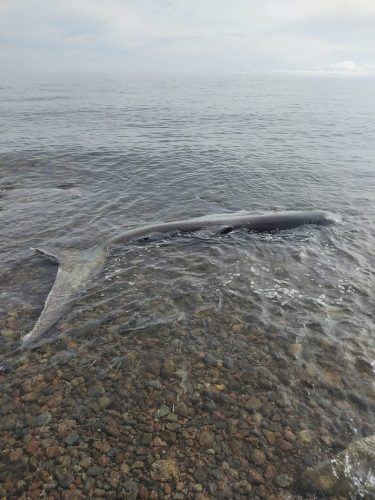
column 215, row 231
column 51, row 253
column 223, row 230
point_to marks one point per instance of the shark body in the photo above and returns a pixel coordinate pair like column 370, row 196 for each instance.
column 78, row 268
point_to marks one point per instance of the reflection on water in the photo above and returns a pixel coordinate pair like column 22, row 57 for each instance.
column 257, row 349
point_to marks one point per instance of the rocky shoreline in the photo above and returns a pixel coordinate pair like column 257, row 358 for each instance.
column 170, row 413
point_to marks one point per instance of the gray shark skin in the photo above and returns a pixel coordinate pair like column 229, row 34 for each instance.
column 78, row 268
column 228, row 222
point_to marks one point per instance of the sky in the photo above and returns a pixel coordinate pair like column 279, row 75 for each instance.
column 187, row 36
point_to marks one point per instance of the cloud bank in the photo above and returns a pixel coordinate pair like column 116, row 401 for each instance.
column 187, row 35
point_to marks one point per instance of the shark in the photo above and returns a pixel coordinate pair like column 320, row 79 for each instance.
column 77, row 268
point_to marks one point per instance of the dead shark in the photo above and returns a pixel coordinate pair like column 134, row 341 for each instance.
column 78, row 268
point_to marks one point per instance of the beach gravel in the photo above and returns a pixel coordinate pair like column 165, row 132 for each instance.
column 148, row 417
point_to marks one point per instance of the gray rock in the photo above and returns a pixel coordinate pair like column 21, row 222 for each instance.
column 173, row 426
column 154, row 384
column 72, row 438
column 243, row 487
column 210, row 360
column 163, row 411
column 228, row 362
column 258, row 456
column 294, row 350
column 253, row 404
column 212, row 488
column 8, row 422
column 131, row 488
column 350, row 472
column 172, row 417
column 95, row 391
column 200, row 476
column 43, row 419
column 64, row 478
column 164, row 470
column 209, row 405
column 206, row 439
column 169, row 368
column 364, row 367
column 283, row 481
column 95, row 470
column 104, row 402
column 146, row 438
column 217, row 474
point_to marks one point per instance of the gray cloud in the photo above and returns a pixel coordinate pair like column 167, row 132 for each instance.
column 186, row 35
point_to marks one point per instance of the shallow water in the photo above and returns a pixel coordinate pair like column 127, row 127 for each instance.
column 83, row 157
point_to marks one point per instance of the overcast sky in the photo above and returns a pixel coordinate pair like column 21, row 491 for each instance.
column 211, row 36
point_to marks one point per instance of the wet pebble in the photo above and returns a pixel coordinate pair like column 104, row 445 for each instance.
column 95, row 471
column 42, row 419
column 104, row 402
column 169, row 368
column 283, row 481
column 73, row 438
column 162, row 411
column 164, row 470
column 306, row 436
column 258, row 456
column 295, row 350
column 253, row 404
column 206, row 439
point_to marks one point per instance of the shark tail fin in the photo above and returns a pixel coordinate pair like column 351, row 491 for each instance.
column 76, row 269
column 52, row 253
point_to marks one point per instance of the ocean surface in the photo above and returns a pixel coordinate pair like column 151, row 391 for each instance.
column 83, row 157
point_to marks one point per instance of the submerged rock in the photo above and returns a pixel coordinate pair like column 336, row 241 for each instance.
column 206, row 439
column 162, row 411
column 169, row 368
column 164, row 470
column 294, row 350
column 42, row 419
column 352, row 471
